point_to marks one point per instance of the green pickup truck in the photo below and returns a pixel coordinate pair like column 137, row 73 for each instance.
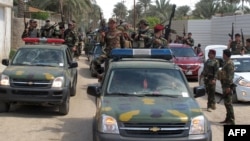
column 144, row 96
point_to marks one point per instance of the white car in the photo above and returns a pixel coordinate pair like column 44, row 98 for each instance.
column 241, row 75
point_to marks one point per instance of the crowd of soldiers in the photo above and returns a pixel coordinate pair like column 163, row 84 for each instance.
column 73, row 39
column 211, row 73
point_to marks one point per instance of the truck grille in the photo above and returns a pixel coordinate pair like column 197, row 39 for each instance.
column 152, row 129
column 31, row 83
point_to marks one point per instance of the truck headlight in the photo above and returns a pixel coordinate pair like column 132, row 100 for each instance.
column 58, row 82
column 244, row 82
column 108, row 124
column 197, row 125
column 5, row 80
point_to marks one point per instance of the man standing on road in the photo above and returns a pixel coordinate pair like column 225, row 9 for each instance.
column 227, row 75
column 209, row 74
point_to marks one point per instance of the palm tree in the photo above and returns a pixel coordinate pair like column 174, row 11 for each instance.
column 182, row 12
column 71, row 8
column 120, row 10
column 206, row 9
column 162, row 10
column 145, row 4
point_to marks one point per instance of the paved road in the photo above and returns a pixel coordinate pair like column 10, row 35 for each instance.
column 36, row 123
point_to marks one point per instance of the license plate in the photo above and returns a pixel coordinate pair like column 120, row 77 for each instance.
column 189, row 72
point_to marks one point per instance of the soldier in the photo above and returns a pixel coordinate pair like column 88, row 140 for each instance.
column 247, row 48
column 209, row 74
column 189, row 40
column 47, row 30
column 142, row 37
column 32, row 30
column 235, row 46
column 124, row 27
column 71, row 37
column 158, row 41
column 111, row 39
column 226, row 78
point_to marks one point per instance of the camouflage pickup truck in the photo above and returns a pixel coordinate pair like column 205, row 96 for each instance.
column 144, row 97
column 39, row 74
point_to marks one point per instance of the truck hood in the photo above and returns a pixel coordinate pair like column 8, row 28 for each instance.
column 245, row 75
column 150, row 109
column 32, row 73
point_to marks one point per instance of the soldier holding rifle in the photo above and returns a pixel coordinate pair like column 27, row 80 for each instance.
column 226, row 77
column 209, row 74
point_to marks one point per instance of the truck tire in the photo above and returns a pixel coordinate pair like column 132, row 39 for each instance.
column 64, row 107
column 4, row 107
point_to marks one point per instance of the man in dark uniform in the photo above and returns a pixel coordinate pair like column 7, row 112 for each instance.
column 189, row 40
column 236, row 46
column 71, row 37
column 209, row 74
column 226, row 77
column 143, row 35
column 247, row 47
column 32, row 30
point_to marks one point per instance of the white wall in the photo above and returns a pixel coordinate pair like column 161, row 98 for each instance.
column 5, row 29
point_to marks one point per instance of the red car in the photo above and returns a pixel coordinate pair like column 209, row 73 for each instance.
column 187, row 59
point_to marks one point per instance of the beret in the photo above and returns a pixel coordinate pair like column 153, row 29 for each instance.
column 158, row 27
column 212, row 51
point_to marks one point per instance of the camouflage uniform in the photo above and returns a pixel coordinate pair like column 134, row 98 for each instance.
column 143, row 35
column 71, row 39
column 209, row 73
column 113, row 39
column 247, row 50
column 236, row 47
column 161, row 42
column 226, row 77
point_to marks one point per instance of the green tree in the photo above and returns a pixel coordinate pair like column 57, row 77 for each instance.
column 206, row 9
column 145, row 4
column 182, row 12
column 153, row 21
column 162, row 10
column 120, row 10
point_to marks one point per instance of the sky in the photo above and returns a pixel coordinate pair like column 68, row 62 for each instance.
column 107, row 6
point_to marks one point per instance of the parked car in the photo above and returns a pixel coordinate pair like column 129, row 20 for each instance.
column 95, row 52
column 39, row 74
column 241, row 74
column 186, row 59
column 143, row 96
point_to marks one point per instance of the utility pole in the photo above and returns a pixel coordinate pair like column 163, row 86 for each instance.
column 134, row 15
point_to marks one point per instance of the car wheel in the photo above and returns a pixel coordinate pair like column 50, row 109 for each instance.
column 4, row 107
column 64, row 107
column 234, row 98
column 73, row 88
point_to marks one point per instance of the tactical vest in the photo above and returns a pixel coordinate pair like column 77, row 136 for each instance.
column 235, row 47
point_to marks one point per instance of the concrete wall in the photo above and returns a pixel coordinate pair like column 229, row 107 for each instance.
column 214, row 31
column 5, row 31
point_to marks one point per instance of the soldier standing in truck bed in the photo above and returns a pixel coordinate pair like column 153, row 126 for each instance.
column 236, row 46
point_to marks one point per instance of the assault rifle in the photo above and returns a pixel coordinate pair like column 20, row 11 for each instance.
column 231, row 35
column 184, row 31
column 242, row 38
column 232, row 87
column 24, row 21
column 168, row 27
